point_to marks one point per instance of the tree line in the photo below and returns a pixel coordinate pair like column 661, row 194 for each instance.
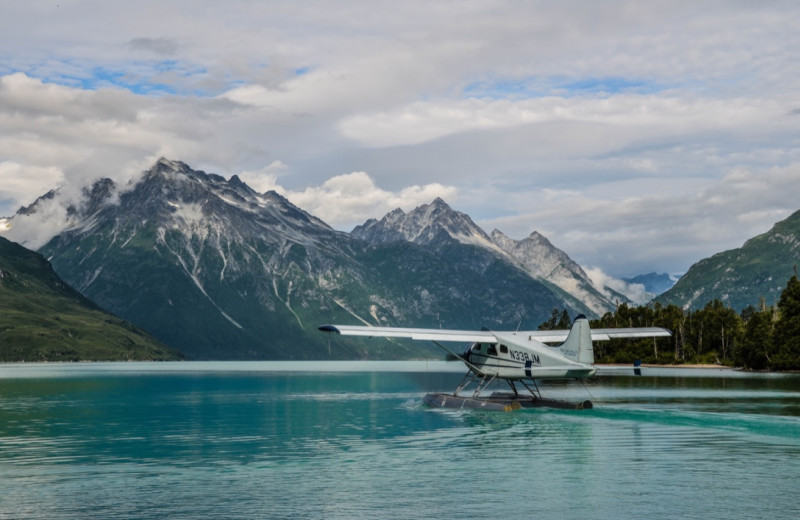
column 762, row 338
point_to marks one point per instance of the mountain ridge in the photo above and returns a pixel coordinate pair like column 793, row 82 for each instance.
column 437, row 222
column 202, row 261
column 742, row 276
column 219, row 271
column 424, row 225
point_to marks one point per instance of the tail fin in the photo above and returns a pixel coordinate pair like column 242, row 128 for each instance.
column 578, row 346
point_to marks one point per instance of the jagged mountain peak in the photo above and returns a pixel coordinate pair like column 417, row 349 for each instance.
column 437, row 223
column 181, row 242
column 183, row 198
column 169, row 195
column 168, row 170
column 544, row 261
column 164, row 165
column 537, row 253
column 535, row 235
column 425, row 224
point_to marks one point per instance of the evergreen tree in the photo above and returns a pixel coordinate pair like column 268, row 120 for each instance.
column 672, row 318
column 787, row 328
column 756, row 348
column 557, row 320
column 564, row 321
column 763, row 338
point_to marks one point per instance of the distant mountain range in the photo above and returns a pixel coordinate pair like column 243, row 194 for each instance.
column 742, row 277
column 219, row 271
column 436, row 225
column 43, row 319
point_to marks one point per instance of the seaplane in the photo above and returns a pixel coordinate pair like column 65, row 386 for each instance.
column 520, row 358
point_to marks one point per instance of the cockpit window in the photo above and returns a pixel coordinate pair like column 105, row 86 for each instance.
column 492, row 351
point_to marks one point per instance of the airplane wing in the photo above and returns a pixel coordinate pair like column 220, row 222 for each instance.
column 477, row 336
column 462, row 336
column 558, row 336
column 434, row 335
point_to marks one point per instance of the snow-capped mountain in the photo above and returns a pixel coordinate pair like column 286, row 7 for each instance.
column 437, row 223
column 200, row 261
column 543, row 261
column 219, row 271
column 427, row 224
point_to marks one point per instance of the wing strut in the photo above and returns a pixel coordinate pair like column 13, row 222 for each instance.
column 460, row 357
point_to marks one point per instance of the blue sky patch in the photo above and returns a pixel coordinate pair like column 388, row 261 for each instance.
column 561, row 87
column 610, row 86
column 147, row 78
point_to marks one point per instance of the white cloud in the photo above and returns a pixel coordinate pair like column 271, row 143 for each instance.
column 648, row 115
column 347, row 200
column 659, row 230
column 635, row 135
column 603, row 282
column 34, row 231
column 18, row 181
column 266, row 178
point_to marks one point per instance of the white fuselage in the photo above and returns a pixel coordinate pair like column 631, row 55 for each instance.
column 521, row 357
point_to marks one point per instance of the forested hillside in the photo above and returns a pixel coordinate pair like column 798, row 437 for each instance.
column 761, row 337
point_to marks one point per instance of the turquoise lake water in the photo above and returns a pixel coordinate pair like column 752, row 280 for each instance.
column 353, row 440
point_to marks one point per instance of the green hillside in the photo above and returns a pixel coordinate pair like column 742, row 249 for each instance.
column 741, row 277
column 43, row 319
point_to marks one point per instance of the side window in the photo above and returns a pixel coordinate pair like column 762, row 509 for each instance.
column 492, row 351
column 503, row 349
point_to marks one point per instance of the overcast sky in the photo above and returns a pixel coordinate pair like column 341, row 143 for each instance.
column 636, row 136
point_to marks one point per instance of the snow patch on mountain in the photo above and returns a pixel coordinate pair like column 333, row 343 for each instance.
column 190, row 214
